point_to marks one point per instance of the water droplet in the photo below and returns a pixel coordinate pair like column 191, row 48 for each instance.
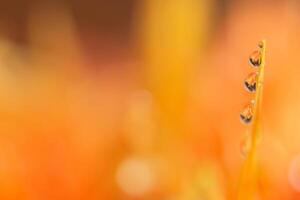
column 260, row 44
column 250, row 82
column 247, row 113
column 245, row 145
column 136, row 176
column 294, row 173
column 255, row 58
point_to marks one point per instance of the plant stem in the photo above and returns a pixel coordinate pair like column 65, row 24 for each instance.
column 248, row 178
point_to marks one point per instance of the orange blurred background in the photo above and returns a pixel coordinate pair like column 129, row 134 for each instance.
column 128, row 99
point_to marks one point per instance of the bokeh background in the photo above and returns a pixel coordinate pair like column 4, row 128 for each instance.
column 140, row 99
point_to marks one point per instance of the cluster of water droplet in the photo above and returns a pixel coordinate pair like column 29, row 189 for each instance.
column 250, row 84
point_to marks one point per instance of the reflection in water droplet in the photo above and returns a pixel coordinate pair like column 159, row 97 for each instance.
column 247, row 113
column 255, row 58
column 250, row 82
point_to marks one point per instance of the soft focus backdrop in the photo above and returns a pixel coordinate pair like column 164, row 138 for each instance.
column 140, row 99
